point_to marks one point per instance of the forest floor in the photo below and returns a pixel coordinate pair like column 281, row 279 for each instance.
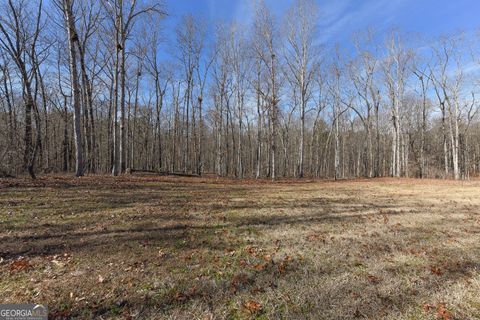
column 199, row 248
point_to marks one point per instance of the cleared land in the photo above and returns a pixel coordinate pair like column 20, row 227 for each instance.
column 190, row 248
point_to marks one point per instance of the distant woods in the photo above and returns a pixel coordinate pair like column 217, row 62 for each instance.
column 104, row 87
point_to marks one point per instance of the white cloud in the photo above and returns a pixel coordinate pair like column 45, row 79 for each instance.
column 345, row 16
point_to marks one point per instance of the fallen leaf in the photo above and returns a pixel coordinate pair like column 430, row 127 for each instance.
column 20, row 265
column 373, row 279
column 282, row 267
column 251, row 250
column 427, row 307
column 252, row 306
column 415, row 252
column 443, row 313
column 180, row 296
column 259, row 266
column 436, row 270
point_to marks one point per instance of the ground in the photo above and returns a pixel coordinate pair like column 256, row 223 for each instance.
column 202, row 248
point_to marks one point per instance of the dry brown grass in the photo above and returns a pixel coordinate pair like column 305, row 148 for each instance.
column 190, row 248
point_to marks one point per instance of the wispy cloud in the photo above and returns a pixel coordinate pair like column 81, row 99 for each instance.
column 341, row 18
column 244, row 10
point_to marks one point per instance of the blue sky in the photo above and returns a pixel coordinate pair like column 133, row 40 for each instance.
column 340, row 18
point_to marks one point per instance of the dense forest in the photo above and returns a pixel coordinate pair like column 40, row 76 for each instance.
column 99, row 87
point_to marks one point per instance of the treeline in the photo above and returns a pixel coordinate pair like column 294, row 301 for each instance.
column 101, row 87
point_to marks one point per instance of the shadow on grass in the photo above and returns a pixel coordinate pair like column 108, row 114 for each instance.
column 185, row 218
column 57, row 238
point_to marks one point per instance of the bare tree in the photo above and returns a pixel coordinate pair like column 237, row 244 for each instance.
column 190, row 42
column 301, row 59
column 19, row 36
column 395, row 70
column 447, row 89
column 362, row 73
column 161, row 78
column 424, row 79
column 72, row 40
column 265, row 46
column 123, row 16
column 242, row 102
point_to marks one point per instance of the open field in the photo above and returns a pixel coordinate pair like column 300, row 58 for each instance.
column 191, row 248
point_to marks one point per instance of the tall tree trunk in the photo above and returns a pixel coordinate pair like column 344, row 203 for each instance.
column 72, row 38
column 88, row 107
column 200, row 137
column 302, row 136
column 115, row 147
column 445, row 147
column 123, row 136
